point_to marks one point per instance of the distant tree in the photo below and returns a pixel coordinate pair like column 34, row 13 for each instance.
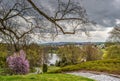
column 69, row 55
column 37, row 55
column 34, row 55
column 114, row 35
column 91, row 52
column 113, row 52
column 109, row 43
column 72, row 54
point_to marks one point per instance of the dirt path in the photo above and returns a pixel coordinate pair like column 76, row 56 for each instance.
column 97, row 77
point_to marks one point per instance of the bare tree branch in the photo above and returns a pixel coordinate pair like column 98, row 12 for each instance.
column 52, row 20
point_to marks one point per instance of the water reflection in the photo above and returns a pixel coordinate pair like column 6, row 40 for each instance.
column 53, row 58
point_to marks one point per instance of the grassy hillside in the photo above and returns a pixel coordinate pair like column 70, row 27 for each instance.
column 44, row 77
column 110, row 66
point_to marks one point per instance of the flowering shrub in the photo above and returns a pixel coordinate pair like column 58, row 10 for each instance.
column 18, row 63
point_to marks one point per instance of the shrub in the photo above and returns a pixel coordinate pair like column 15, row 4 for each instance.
column 45, row 68
column 3, row 55
column 18, row 64
column 113, row 52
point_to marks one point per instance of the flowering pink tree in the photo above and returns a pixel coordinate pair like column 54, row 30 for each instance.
column 18, row 63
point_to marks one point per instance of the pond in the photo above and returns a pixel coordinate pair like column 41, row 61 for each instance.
column 53, row 58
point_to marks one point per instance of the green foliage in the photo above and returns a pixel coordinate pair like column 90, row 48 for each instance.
column 107, row 44
column 52, row 68
column 34, row 55
column 1, row 71
column 92, row 52
column 72, row 54
column 3, row 55
column 44, row 77
column 114, row 35
column 110, row 66
column 69, row 55
column 113, row 52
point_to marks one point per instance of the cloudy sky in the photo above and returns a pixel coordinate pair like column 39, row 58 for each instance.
column 106, row 13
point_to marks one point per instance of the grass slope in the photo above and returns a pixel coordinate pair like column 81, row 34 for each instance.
column 44, row 77
column 110, row 66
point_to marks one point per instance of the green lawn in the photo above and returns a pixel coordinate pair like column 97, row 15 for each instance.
column 52, row 68
column 44, row 77
column 110, row 66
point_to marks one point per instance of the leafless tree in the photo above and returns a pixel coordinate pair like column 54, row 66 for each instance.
column 21, row 18
column 66, row 14
column 91, row 52
column 15, row 26
column 115, row 35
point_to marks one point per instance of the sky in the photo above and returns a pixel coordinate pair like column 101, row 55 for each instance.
column 106, row 13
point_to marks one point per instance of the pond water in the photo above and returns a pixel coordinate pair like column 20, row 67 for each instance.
column 53, row 58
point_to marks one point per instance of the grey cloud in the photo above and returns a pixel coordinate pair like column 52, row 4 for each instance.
column 98, row 10
column 103, row 10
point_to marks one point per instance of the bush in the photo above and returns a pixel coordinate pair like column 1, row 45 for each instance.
column 45, row 68
column 113, row 52
column 3, row 55
column 18, row 64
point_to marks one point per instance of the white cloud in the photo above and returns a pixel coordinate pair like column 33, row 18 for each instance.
column 117, row 21
column 95, row 36
column 100, row 35
column 106, row 21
